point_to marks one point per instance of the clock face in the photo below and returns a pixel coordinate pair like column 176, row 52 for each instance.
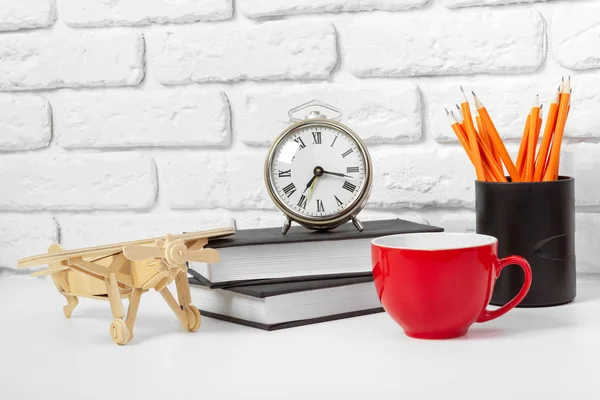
column 318, row 171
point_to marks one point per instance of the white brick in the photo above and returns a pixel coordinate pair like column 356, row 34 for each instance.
column 268, row 8
column 584, row 117
column 70, row 58
column 468, row 42
column 125, row 118
column 216, row 179
column 26, row 14
column 78, row 231
column 581, row 161
column 509, row 101
column 369, row 214
column 377, row 113
column 77, row 182
column 83, row 13
column 575, row 38
column 24, row 236
column 24, row 123
column 587, row 242
column 472, row 3
column 458, row 222
column 414, row 178
column 226, row 52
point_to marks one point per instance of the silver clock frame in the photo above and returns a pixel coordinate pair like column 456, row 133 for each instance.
column 320, row 222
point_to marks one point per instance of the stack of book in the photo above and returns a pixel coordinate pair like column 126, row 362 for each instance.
column 269, row 280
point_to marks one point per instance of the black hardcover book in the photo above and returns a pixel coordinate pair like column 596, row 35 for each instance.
column 298, row 234
column 280, row 305
column 273, row 287
column 264, row 255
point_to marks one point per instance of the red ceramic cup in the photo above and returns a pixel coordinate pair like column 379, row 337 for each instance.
column 436, row 285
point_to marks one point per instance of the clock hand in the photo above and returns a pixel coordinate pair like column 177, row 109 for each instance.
column 312, row 189
column 337, row 174
column 310, row 183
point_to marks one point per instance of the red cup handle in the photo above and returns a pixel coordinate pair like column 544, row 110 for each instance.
column 487, row 315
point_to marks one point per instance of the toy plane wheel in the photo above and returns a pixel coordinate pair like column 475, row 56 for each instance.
column 194, row 319
column 72, row 303
column 120, row 332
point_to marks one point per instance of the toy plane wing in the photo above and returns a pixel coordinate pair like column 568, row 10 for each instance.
column 98, row 252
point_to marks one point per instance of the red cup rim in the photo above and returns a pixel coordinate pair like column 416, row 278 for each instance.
column 445, row 241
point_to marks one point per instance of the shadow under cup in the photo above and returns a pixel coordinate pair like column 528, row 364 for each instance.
column 534, row 220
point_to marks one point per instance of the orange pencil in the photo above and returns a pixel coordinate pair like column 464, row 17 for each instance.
column 496, row 140
column 558, row 161
column 540, row 162
column 495, row 152
column 460, row 118
column 532, row 141
column 560, row 97
column 489, row 162
column 563, row 110
column 462, row 138
column 484, row 136
column 523, row 147
column 472, row 135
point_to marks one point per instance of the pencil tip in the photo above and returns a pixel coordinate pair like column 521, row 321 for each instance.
column 452, row 118
column 478, row 103
column 463, row 92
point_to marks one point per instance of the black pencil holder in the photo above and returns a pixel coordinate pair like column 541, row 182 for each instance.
column 535, row 220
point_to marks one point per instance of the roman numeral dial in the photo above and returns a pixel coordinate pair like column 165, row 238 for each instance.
column 317, row 171
column 316, row 138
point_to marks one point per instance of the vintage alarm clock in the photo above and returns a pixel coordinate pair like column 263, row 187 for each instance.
column 318, row 171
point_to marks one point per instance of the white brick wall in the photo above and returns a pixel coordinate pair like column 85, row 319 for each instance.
column 273, row 50
column 577, row 45
column 410, row 44
column 23, row 14
column 125, row 118
column 120, row 120
column 70, row 58
column 268, row 8
column 77, row 182
column 471, row 3
column 21, row 235
column 24, row 122
column 84, row 13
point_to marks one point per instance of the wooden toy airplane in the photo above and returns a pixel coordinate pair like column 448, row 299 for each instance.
column 126, row 270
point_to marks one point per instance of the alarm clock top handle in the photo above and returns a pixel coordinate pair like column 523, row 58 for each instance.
column 314, row 103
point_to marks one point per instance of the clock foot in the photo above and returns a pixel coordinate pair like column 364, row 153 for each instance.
column 357, row 224
column 286, row 226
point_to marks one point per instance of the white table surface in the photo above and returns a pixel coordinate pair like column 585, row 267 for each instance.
column 544, row 353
